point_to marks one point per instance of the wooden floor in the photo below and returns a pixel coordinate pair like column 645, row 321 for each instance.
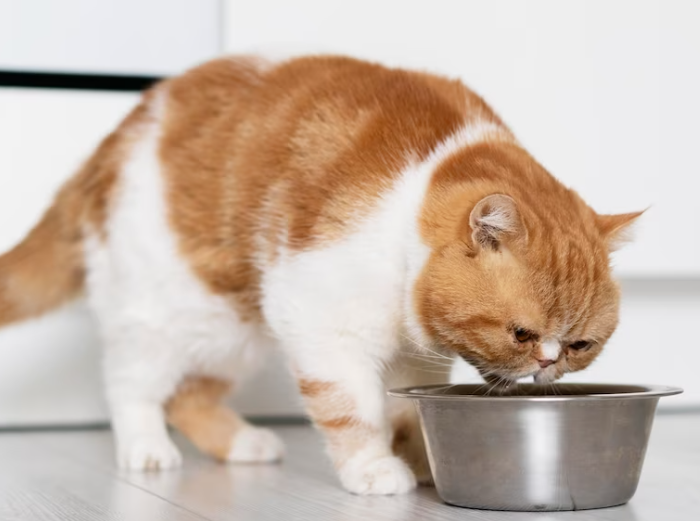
column 71, row 476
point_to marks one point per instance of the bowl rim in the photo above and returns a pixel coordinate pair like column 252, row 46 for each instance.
column 422, row 392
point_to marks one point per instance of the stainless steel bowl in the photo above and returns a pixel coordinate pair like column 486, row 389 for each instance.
column 566, row 447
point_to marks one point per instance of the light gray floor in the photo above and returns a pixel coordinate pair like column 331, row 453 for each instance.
column 71, row 476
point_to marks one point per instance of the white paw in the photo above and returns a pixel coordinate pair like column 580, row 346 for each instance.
column 148, row 453
column 385, row 475
column 256, row 445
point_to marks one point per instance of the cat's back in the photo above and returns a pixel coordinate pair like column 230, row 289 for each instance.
column 253, row 152
column 327, row 132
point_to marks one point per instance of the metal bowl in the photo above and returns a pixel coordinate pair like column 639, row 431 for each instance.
column 563, row 447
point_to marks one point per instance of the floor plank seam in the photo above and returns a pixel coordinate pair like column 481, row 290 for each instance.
column 116, row 476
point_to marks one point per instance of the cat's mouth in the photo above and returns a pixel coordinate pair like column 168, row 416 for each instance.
column 543, row 376
column 503, row 383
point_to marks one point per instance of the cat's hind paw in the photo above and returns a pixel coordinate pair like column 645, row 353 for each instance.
column 256, row 445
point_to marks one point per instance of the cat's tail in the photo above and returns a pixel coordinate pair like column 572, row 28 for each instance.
column 45, row 269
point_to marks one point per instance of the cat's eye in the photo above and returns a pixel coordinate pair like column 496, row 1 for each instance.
column 581, row 345
column 522, row 335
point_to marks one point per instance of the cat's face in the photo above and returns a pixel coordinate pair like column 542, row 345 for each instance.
column 515, row 301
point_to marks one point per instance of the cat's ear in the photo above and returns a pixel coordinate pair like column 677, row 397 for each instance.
column 616, row 229
column 495, row 220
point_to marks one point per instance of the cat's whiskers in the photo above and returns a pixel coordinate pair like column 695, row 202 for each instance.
column 423, row 355
column 432, row 361
column 425, row 347
column 442, row 368
column 424, row 370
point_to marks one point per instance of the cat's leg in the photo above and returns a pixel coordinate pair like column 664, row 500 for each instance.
column 150, row 378
column 344, row 393
column 197, row 409
column 407, row 439
column 138, row 382
column 141, row 437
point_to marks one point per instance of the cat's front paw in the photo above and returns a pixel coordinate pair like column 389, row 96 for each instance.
column 148, row 453
column 381, row 476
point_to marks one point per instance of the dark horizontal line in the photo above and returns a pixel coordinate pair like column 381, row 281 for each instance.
column 257, row 420
column 60, row 80
column 281, row 421
column 55, row 427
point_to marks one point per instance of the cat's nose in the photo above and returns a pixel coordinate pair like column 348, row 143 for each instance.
column 545, row 362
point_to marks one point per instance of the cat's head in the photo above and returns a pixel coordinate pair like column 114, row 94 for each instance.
column 519, row 280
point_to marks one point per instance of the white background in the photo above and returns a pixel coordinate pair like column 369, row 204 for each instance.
column 150, row 37
column 603, row 93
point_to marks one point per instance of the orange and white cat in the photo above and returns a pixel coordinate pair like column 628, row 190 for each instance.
column 359, row 217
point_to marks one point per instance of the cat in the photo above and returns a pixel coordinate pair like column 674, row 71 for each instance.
column 371, row 222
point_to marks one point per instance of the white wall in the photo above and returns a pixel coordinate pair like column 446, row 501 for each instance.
column 603, row 92
column 110, row 36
